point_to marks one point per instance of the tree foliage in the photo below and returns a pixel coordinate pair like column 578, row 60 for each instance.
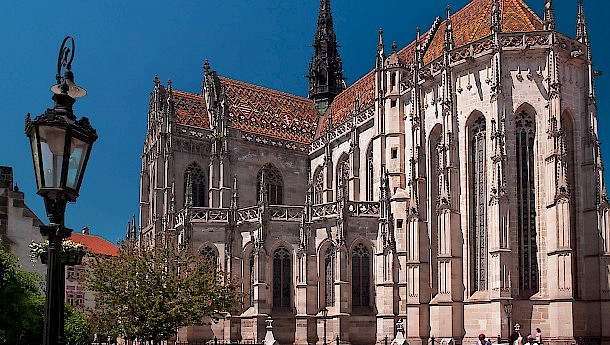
column 77, row 329
column 21, row 303
column 148, row 293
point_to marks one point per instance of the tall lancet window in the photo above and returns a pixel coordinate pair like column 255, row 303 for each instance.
column 478, row 223
column 251, row 274
column 282, row 277
column 198, row 189
column 369, row 174
column 329, row 276
column 318, row 186
column 434, row 144
column 525, row 131
column 274, row 184
column 342, row 179
column 361, row 276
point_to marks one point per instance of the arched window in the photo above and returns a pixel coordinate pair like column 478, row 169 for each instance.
column 282, row 277
column 370, row 173
column 199, row 192
column 318, row 187
column 435, row 166
column 274, row 184
column 361, row 276
column 342, row 179
column 478, row 229
column 329, row 276
column 210, row 254
column 568, row 154
column 525, row 133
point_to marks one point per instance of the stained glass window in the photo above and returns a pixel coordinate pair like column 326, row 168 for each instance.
column 361, row 276
column 199, row 191
column 478, row 203
column 525, row 132
column 329, row 276
column 282, row 277
column 274, row 184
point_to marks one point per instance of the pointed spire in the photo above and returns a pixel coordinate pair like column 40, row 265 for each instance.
column 262, row 190
column 449, row 41
column 549, row 15
column 380, row 45
column 496, row 17
column 128, row 232
column 326, row 68
column 234, row 194
column 582, row 35
column 206, row 67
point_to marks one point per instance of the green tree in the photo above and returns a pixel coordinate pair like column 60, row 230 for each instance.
column 77, row 329
column 148, row 293
column 21, row 303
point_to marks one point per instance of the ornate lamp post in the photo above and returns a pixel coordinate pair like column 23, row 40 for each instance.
column 60, row 150
column 508, row 309
column 324, row 312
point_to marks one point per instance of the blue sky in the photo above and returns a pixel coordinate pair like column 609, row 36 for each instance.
column 121, row 45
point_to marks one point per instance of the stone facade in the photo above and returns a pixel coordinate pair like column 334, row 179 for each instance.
column 462, row 174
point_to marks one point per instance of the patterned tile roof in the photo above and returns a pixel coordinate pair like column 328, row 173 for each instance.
column 471, row 23
column 190, row 109
column 343, row 105
column 95, row 244
column 264, row 111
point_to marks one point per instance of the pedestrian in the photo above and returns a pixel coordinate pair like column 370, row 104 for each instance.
column 516, row 338
column 483, row 340
column 530, row 340
column 538, row 336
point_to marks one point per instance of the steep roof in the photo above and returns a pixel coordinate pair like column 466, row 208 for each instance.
column 264, row 111
column 470, row 24
column 95, row 244
column 190, row 109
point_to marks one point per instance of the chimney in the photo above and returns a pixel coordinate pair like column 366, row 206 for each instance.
column 85, row 230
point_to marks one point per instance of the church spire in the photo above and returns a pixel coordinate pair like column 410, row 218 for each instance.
column 549, row 15
column 326, row 68
column 496, row 17
column 582, row 34
column 449, row 41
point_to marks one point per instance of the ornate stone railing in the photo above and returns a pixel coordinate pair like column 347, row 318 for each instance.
column 204, row 214
column 325, row 210
column 179, row 218
column 525, row 40
column 285, row 212
column 363, row 208
column 248, row 214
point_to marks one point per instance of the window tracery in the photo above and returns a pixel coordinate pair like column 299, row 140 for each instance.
column 318, row 187
column 361, row 276
column 199, row 192
column 274, row 184
column 525, row 132
column 282, row 278
column 329, row 276
column 478, row 202
column 369, row 174
column 342, row 179
column 210, row 254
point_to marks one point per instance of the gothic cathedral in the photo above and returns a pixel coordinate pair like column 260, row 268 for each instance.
column 459, row 178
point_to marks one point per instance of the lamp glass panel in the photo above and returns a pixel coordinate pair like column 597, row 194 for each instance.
column 78, row 152
column 35, row 156
column 52, row 141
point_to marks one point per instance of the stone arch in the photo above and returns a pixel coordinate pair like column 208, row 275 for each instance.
column 210, row 252
column 326, row 272
column 361, row 275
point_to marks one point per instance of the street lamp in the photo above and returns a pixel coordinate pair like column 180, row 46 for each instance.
column 324, row 312
column 508, row 309
column 60, row 150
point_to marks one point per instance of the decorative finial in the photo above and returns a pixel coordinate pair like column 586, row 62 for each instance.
column 449, row 41
column 206, row 67
column 156, row 79
column 380, row 41
column 394, row 46
column 549, row 15
column 496, row 17
column 581, row 25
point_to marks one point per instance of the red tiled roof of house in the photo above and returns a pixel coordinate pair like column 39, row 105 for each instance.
column 95, row 244
column 264, row 111
column 470, row 23
column 190, row 109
